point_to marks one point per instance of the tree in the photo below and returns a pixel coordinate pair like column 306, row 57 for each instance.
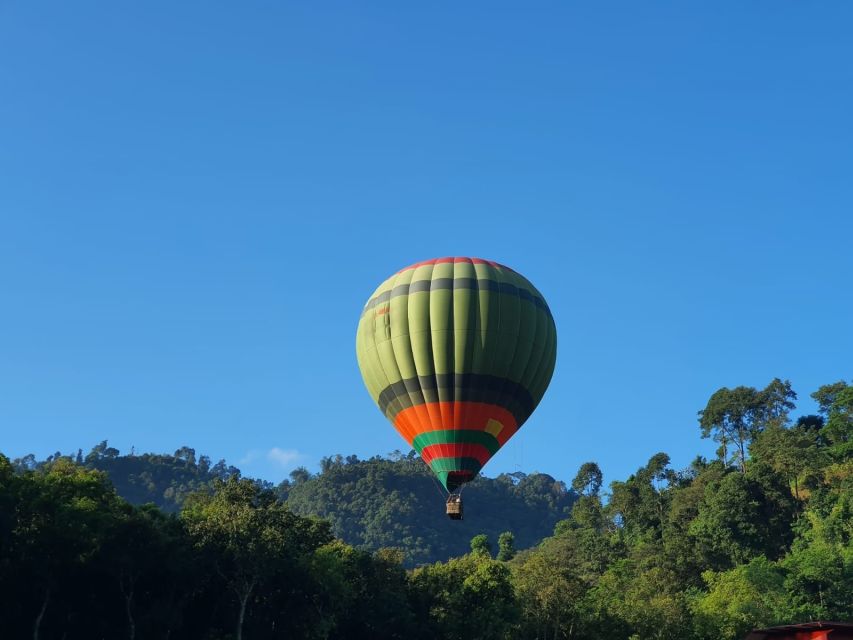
column 647, row 601
column 60, row 522
column 481, row 546
column 789, row 452
column 826, row 395
column 251, row 536
column 97, row 451
column 362, row 595
column 187, row 454
column 506, row 546
column 300, row 475
column 551, row 591
column 638, row 505
column 142, row 552
column 838, row 430
column 741, row 517
column 736, row 416
column 748, row 596
column 467, row 597
column 204, row 464
column 588, row 479
column 819, row 567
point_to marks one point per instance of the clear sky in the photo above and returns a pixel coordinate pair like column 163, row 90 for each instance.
column 197, row 198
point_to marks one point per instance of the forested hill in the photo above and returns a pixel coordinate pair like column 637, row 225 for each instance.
column 161, row 479
column 397, row 503
column 376, row 503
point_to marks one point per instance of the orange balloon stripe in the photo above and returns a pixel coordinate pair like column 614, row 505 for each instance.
column 437, row 416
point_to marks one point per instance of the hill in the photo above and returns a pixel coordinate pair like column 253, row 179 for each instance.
column 160, row 479
column 397, row 503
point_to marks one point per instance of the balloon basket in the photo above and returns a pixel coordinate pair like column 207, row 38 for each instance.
column 454, row 506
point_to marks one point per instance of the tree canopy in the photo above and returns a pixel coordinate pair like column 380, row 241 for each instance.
column 702, row 553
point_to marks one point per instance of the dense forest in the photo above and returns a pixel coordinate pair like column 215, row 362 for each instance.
column 759, row 535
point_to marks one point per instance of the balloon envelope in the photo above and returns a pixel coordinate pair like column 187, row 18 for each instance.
column 457, row 353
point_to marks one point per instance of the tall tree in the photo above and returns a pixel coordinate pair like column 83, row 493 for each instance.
column 789, row 452
column 506, row 546
column 588, row 479
column 250, row 535
column 481, row 546
column 735, row 416
column 836, row 402
column 62, row 518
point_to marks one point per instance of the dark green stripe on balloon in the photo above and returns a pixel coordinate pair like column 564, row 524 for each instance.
column 440, row 465
column 472, row 284
column 457, row 387
column 454, row 472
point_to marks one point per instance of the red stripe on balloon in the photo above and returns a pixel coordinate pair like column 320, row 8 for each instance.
column 456, row 450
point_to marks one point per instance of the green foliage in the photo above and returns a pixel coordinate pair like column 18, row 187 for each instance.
column 363, row 592
column 838, row 407
column 159, row 479
column 588, row 479
column 789, row 452
column 735, row 416
column 480, row 545
column 382, row 502
column 748, row 596
column 506, row 546
column 704, row 553
column 468, row 597
column 741, row 517
column 645, row 600
column 820, row 564
column 250, row 536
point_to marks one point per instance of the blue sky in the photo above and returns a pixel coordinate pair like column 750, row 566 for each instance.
column 196, row 199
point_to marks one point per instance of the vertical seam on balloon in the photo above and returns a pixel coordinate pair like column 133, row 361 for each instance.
column 442, row 401
column 495, row 294
column 382, row 364
column 455, row 407
column 471, row 336
column 450, row 349
column 431, row 407
column 530, row 364
column 540, row 382
column 542, row 377
column 364, row 358
column 505, row 378
column 412, row 398
column 496, row 277
column 372, row 347
column 417, row 413
column 551, row 351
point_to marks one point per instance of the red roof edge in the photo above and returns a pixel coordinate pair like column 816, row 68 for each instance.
column 780, row 631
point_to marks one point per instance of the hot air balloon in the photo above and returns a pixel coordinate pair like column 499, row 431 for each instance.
column 457, row 353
